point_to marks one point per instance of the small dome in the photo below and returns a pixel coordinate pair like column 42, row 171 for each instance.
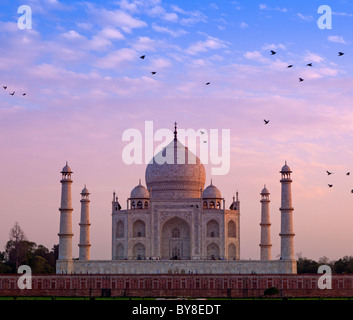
column 264, row 190
column 66, row 169
column 85, row 190
column 285, row 168
column 211, row 192
column 139, row 192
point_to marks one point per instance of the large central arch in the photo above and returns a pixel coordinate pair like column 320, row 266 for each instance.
column 175, row 239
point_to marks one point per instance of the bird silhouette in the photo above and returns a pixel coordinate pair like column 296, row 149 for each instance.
column 290, row 66
column 153, row 72
column 24, row 94
column 351, row 191
column 5, row 87
column 301, row 79
column 266, row 121
column 142, row 57
column 348, row 173
column 340, row 54
column 205, row 142
column 12, row 93
column 202, row 132
column 207, row 83
column 309, row 65
column 328, row 172
column 273, row 52
column 330, row 185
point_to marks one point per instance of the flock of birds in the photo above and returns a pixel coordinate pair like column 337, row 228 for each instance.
column 267, row 121
column 208, row 83
column 331, row 185
column 300, row 79
column 154, row 72
column 12, row 93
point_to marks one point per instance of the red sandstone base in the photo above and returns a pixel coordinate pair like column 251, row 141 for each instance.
column 177, row 285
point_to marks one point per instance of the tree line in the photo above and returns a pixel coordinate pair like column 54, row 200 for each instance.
column 341, row 266
column 20, row 251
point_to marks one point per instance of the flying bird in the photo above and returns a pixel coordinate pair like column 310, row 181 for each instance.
column 352, row 191
column 24, row 94
column 273, row 52
column 330, row 185
column 202, row 132
column 266, row 121
column 301, row 79
column 207, row 83
column 290, row 66
column 340, row 54
column 5, row 87
column 12, row 93
column 348, row 173
column 309, row 65
column 153, row 72
column 142, row 57
column 328, row 172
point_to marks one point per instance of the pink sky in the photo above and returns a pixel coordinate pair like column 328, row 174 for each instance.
column 84, row 90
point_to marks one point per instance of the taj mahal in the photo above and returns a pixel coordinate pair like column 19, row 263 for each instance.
column 176, row 225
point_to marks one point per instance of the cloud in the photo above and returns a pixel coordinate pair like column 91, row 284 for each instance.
column 256, row 56
column 173, row 33
column 73, row 35
column 336, row 39
column 266, row 7
column 101, row 41
column 211, row 43
column 159, row 63
column 344, row 14
column 243, row 25
column 116, row 58
column 313, row 57
column 305, row 18
column 273, row 46
column 191, row 17
column 115, row 18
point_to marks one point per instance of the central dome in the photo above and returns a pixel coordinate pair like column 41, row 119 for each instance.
column 175, row 173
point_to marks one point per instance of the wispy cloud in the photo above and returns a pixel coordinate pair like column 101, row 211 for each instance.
column 266, row 7
column 336, row 39
column 115, row 18
column 211, row 43
column 243, row 25
column 305, row 18
column 172, row 32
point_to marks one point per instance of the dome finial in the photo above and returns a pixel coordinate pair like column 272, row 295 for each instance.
column 139, row 181
column 175, row 130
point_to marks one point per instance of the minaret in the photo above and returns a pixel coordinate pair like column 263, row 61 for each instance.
column 265, row 245
column 287, row 235
column 84, row 244
column 65, row 233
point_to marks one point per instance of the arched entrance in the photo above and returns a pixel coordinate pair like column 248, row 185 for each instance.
column 175, row 239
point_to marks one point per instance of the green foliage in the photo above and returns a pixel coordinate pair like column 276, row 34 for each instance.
column 343, row 265
column 271, row 291
column 20, row 251
column 305, row 265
